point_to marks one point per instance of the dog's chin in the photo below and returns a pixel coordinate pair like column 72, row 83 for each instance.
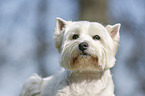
column 80, row 56
column 85, row 61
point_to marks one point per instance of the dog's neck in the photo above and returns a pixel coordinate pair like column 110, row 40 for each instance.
column 77, row 76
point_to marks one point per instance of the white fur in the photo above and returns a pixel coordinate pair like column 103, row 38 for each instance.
column 84, row 75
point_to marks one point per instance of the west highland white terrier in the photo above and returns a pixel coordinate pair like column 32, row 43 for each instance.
column 87, row 52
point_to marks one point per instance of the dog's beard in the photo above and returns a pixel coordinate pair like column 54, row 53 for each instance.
column 84, row 62
column 95, row 58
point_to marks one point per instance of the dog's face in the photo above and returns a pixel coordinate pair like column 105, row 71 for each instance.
column 86, row 45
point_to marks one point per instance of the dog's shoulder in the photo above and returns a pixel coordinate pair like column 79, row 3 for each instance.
column 32, row 87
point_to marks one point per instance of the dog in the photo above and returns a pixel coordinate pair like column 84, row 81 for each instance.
column 87, row 52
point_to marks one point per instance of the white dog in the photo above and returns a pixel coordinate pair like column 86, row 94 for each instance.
column 87, row 53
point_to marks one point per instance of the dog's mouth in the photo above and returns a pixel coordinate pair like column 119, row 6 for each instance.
column 85, row 61
column 84, row 52
column 81, row 56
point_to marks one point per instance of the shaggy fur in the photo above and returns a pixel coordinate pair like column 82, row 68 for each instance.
column 87, row 71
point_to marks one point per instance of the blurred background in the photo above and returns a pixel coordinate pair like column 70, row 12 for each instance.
column 27, row 47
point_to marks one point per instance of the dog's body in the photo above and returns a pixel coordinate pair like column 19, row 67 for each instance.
column 87, row 53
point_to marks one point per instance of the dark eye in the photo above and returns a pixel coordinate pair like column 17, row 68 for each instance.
column 96, row 37
column 76, row 36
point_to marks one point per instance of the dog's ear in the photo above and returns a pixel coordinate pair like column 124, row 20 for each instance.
column 114, row 31
column 58, row 33
column 60, row 25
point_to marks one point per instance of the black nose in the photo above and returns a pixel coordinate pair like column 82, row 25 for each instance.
column 83, row 46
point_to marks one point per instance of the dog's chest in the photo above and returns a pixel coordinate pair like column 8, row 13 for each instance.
column 85, row 88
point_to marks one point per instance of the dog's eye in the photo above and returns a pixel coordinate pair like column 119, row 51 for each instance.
column 96, row 37
column 75, row 36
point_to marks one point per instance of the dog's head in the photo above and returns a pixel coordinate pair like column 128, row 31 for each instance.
column 86, row 45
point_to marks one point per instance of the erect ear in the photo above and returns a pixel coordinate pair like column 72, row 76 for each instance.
column 60, row 25
column 58, row 33
column 114, row 31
